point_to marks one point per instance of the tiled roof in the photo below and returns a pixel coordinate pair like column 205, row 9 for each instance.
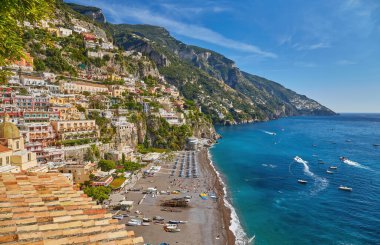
column 4, row 149
column 44, row 208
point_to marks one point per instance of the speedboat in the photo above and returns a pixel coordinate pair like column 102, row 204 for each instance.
column 375, row 145
column 333, row 167
column 345, row 188
column 299, row 160
column 301, row 181
column 329, row 172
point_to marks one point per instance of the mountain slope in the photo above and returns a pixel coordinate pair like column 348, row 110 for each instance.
column 225, row 93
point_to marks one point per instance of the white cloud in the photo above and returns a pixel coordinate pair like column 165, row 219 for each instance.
column 188, row 30
column 314, row 46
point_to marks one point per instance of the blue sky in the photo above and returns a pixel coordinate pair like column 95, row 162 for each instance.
column 328, row 50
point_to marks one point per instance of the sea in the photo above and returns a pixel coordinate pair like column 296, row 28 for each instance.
column 256, row 162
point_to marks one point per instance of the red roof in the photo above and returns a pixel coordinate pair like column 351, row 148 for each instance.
column 4, row 149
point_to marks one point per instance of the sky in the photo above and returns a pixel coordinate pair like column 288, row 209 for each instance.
column 328, row 50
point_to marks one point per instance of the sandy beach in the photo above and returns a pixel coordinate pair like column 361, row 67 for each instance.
column 208, row 220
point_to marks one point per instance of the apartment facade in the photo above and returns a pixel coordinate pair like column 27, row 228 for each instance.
column 76, row 129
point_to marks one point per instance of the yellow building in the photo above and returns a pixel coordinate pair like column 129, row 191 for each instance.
column 62, row 100
column 80, row 172
column 76, row 129
column 11, row 139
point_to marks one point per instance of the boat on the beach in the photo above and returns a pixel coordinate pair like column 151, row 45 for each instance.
column 333, row 167
column 299, row 160
column 301, row 181
column 158, row 218
column 171, row 228
column 134, row 222
column 329, row 172
column 345, row 188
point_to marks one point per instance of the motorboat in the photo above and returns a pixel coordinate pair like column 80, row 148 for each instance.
column 345, row 188
column 171, row 228
column 134, row 223
column 301, row 181
column 333, row 167
column 329, row 172
column 299, row 160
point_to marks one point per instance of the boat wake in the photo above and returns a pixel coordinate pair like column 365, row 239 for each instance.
column 354, row 164
column 270, row 133
column 320, row 183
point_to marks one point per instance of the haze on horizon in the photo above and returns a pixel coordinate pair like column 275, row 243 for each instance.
column 328, row 50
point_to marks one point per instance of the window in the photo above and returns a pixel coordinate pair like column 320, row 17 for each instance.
column 7, row 160
column 17, row 145
column 29, row 156
column 1, row 161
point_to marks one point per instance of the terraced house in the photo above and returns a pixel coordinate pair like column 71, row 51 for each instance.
column 76, row 129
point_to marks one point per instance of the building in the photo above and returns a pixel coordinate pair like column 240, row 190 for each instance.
column 32, row 81
column 79, row 87
column 31, row 102
column 95, row 54
column 117, row 90
column 24, row 64
column 5, row 95
column 67, row 112
column 50, row 154
column 79, row 29
column 102, row 181
column 107, row 46
column 80, row 172
column 38, row 132
column 90, row 45
column 64, row 32
column 39, row 116
column 76, row 129
column 44, row 208
column 15, row 154
column 87, row 36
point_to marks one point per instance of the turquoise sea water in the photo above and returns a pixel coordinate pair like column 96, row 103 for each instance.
column 261, row 178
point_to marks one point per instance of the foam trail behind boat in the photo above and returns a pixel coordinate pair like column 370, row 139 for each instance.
column 355, row 164
column 267, row 132
column 321, row 183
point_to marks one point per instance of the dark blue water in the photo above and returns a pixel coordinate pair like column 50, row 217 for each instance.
column 261, row 176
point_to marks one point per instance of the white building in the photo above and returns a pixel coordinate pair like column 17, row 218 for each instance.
column 49, row 76
column 80, row 29
column 90, row 44
column 63, row 32
column 32, row 81
column 92, row 54
column 107, row 45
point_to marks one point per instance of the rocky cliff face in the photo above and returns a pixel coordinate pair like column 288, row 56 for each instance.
column 96, row 14
column 244, row 97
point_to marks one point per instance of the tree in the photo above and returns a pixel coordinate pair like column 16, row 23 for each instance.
column 99, row 193
column 13, row 12
column 106, row 165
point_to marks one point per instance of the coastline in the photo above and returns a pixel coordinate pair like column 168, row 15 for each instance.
column 210, row 221
column 234, row 230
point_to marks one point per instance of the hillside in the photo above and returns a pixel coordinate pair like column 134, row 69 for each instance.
column 223, row 92
column 201, row 75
